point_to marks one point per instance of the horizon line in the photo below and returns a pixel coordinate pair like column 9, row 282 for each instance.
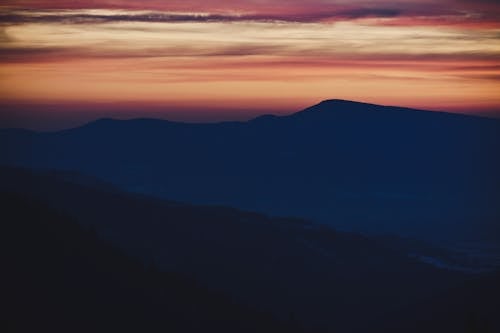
column 156, row 114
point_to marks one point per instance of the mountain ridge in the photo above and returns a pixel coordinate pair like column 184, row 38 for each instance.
column 61, row 276
column 338, row 105
column 356, row 169
column 273, row 264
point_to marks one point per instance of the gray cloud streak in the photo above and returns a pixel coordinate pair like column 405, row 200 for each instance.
column 158, row 17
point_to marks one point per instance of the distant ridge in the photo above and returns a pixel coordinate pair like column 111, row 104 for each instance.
column 328, row 105
column 354, row 107
column 348, row 105
column 325, row 106
column 343, row 102
column 353, row 165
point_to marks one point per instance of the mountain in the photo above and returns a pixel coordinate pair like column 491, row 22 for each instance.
column 60, row 277
column 354, row 166
column 325, row 278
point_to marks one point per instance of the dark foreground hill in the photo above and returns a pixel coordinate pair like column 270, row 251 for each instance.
column 472, row 307
column 289, row 267
column 60, row 277
column 355, row 166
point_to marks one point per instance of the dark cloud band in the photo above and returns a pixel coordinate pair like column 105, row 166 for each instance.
column 158, row 17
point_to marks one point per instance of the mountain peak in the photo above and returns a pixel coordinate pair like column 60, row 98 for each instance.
column 342, row 103
column 339, row 101
column 336, row 106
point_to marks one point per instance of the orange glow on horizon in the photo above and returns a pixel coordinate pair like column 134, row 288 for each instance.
column 264, row 65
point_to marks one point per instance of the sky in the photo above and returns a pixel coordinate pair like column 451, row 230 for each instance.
column 64, row 62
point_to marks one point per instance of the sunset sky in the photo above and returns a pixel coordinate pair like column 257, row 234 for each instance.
column 63, row 62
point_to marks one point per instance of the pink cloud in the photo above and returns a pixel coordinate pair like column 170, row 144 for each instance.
column 410, row 12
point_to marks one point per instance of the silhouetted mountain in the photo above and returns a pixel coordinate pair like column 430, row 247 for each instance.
column 351, row 165
column 58, row 277
column 283, row 265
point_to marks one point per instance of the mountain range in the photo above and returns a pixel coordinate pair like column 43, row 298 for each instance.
column 344, row 217
column 353, row 166
column 58, row 276
column 69, row 245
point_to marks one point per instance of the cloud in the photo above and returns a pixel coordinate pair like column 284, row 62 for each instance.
column 53, row 37
column 371, row 12
column 38, row 54
column 402, row 14
column 159, row 17
column 229, row 48
column 478, row 2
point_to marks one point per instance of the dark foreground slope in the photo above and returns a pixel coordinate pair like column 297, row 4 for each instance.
column 60, row 277
column 472, row 307
column 343, row 282
column 354, row 166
